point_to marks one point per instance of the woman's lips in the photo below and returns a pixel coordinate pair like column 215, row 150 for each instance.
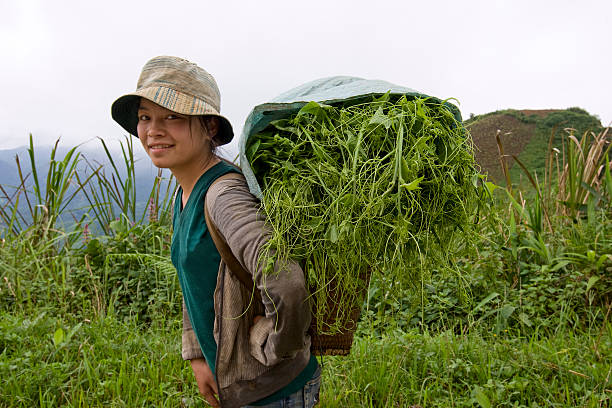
column 160, row 147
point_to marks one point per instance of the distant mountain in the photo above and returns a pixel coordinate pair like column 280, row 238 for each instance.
column 6, row 172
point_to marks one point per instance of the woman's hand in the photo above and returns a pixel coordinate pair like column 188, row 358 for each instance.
column 206, row 381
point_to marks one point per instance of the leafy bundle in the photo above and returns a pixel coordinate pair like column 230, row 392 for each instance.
column 377, row 187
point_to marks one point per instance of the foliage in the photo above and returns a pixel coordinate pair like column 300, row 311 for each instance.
column 377, row 188
column 127, row 274
column 527, row 134
column 138, row 280
column 542, row 262
column 93, row 319
column 585, row 182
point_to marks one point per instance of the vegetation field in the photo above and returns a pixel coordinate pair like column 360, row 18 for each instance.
column 90, row 311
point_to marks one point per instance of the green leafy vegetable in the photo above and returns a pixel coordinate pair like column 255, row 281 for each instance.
column 379, row 187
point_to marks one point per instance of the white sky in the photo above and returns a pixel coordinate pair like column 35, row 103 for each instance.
column 64, row 62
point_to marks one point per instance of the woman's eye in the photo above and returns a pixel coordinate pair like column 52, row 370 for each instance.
column 172, row 117
column 143, row 117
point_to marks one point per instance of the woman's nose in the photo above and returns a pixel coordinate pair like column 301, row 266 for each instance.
column 155, row 128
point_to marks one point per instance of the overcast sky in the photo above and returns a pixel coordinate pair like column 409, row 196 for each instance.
column 64, row 62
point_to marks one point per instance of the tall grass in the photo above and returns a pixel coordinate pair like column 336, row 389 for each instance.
column 92, row 317
column 47, row 199
column 564, row 223
column 111, row 195
column 585, row 175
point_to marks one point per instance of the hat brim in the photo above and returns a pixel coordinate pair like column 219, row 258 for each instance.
column 125, row 110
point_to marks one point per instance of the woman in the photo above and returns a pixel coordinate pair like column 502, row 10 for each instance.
column 241, row 351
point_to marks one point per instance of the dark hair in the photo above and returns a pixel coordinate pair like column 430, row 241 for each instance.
column 214, row 142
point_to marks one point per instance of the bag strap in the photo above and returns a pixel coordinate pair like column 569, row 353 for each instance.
column 224, row 250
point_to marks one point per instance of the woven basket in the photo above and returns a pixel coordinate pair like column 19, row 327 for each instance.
column 336, row 344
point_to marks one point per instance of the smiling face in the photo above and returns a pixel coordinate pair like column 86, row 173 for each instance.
column 174, row 141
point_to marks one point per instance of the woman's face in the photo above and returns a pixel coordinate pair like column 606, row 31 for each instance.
column 174, row 141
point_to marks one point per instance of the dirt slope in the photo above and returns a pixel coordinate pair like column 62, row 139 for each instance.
column 514, row 134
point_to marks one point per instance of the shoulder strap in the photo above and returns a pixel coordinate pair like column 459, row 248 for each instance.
column 224, row 250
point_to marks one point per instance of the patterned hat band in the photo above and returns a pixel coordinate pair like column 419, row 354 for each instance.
column 177, row 102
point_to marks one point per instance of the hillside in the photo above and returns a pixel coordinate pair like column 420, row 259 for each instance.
column 526, row 134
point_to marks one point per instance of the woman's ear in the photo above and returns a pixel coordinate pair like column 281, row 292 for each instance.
column 211, row 126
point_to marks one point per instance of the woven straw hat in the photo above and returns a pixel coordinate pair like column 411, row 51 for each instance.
column 178, row 85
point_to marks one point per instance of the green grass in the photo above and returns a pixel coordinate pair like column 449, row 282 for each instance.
column 108, row 362
column 104, row 362
column 524, row 322
column 449, row 370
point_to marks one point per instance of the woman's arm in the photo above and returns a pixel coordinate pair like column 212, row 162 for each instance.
column 190, row 347
column 207, row 385
column 282, row 332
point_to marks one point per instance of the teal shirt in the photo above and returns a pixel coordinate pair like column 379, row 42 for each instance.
column 197, row 260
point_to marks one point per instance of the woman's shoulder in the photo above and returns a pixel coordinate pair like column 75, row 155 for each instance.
column 229, row 176
column 229, row 186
